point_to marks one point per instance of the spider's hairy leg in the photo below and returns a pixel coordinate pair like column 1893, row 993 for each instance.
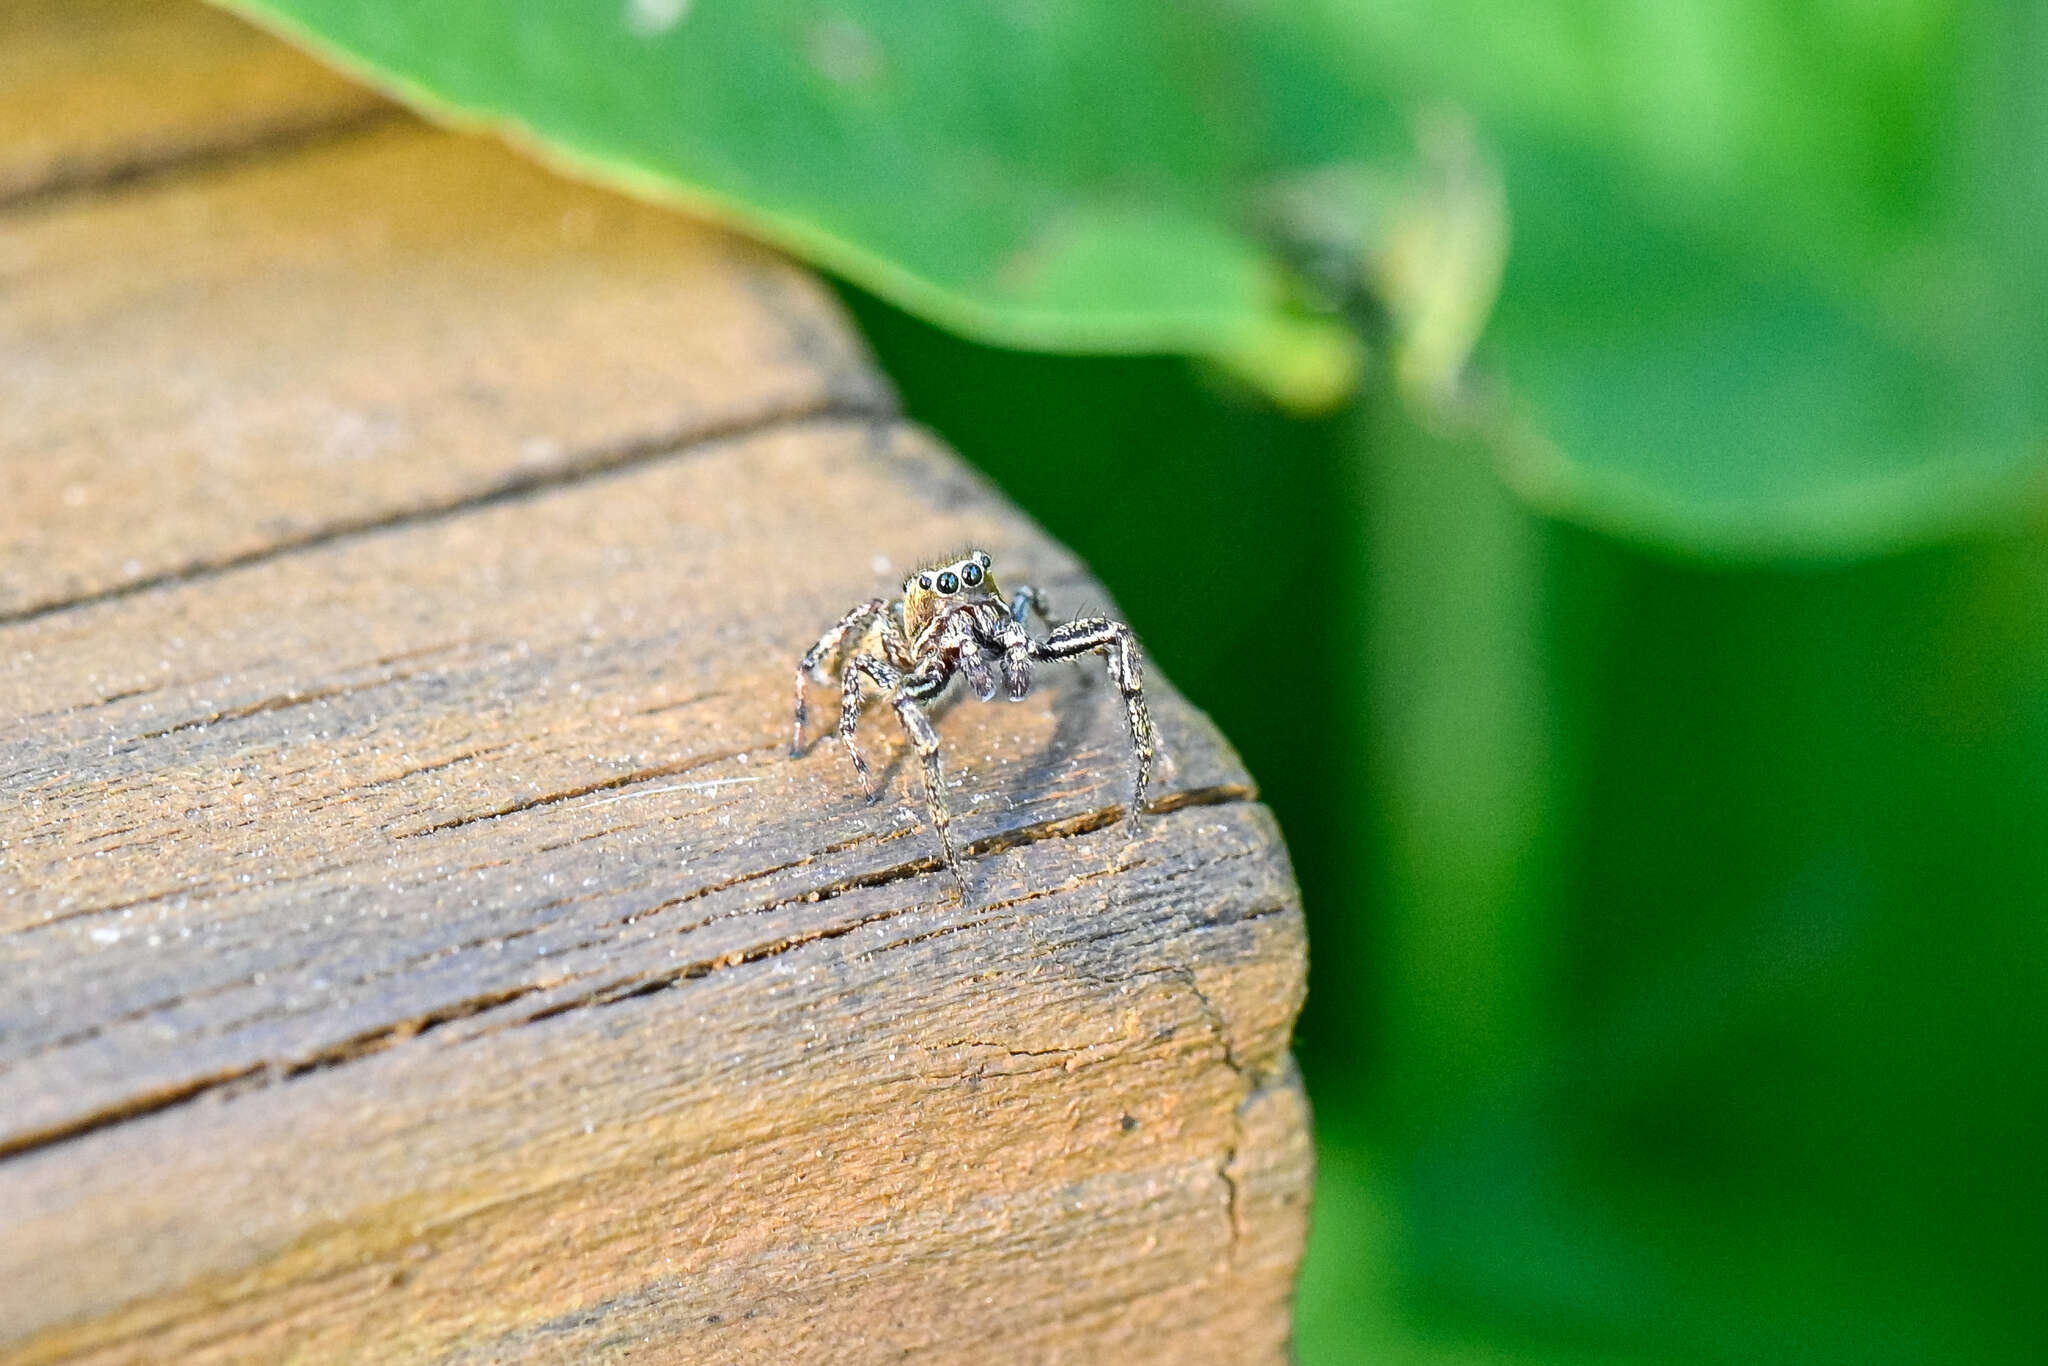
column 917, row 688
column 1120, row 648
column 884, row 676
column 894, row 645
column 826, row 648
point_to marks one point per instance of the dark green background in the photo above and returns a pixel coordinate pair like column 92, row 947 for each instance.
column 1679, row 932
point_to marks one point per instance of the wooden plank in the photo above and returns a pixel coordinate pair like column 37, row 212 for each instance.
column 353, row 919
column 95, row 92
column 398, row 321
column 447, row 696
column 415, row 940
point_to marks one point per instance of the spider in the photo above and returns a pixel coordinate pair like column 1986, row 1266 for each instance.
column 952, row 620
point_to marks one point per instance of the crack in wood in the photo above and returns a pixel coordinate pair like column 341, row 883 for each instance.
column 281, row 702
column 469, row 755
column 593, row 464
column 81, row 912
column 276, row 138
column 1253, row 1081
column 1233, row 1197
column 613, row 784
column 1066, row 828
column 367, row 1043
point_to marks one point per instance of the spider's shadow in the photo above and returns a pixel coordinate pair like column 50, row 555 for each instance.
column 1075, row 711
column 900, row 748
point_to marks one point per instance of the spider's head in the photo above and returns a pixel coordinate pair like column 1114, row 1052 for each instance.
column 931, row 590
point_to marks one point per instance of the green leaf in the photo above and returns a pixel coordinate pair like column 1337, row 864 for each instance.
column 1052, row 174
column 1685, row 392
column 1776, row 273
column 1777, row 278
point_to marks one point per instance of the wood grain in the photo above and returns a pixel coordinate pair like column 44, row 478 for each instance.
column 416, row 943
column 378, row 325
column 97, row 92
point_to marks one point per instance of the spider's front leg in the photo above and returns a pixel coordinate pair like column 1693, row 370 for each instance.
column 1028, row 598
column 906, row 694
column 918, row 687
column 885, row 676
column 827, row 647
column 1126, row 669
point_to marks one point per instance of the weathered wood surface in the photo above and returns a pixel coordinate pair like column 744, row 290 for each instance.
column 415, row 943
column 94, row 92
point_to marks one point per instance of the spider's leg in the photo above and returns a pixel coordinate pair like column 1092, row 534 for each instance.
column 919, row 687
column 884, row 676
column 1116, row 643
column 1028, row 598
column 894, row 644
column 826, row 648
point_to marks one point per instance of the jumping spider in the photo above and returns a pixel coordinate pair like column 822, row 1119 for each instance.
column 952, row 620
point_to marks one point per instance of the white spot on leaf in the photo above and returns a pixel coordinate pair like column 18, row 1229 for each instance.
column 843, row 52
column 651, row 18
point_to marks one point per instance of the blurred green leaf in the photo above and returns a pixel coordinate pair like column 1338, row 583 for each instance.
column 1776, row 282
column 1054, row 174
column 1777, row 279
column 1667, row 390
column 1468, row 775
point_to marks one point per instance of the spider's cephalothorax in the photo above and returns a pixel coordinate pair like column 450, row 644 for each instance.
column 952, row 619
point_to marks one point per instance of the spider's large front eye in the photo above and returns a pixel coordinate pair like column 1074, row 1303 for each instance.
column 948, row 582
column 971, row 574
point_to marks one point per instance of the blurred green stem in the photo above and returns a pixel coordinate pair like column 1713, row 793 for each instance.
column 1464, row 783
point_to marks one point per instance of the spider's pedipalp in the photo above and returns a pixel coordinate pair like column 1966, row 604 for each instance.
column 1016, row 643
column 974, row 663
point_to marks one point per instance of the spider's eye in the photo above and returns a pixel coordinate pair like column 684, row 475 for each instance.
column 971, row 575
column 924, row 581
column 981, row 557
column 947, row 582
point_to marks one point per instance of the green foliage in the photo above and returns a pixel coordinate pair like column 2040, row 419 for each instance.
column 1709, row 900
column 1677, row 987
column 1776, row 281
column 1059, row 174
